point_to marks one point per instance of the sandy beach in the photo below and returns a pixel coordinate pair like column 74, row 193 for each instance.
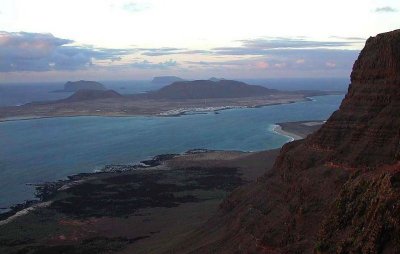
column 278, row 129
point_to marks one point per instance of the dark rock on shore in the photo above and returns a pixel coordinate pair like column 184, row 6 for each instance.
column 136, row 208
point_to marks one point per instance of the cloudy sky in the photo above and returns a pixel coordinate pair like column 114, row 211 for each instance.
column 48, row 40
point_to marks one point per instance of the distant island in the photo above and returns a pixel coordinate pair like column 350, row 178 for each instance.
column 178, row 98
column 81, row 85
column 215, row 79
column 166, row 80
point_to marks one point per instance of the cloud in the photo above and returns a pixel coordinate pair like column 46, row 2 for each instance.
column 279, row 43
column 135, row 7
column 262, row 65
column 290, row 61
column 330, row 64
column 149, row 65
column 256, row 47
column 44, row 52
column 159, row 51
column 280, row 65
column 268, row 46
column 22, row 51
column 385, row 9
column 354, row 39
column 169, row 51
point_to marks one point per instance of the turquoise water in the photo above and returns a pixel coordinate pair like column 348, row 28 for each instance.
column 39, row 150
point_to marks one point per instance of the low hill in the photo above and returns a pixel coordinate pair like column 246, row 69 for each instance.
column 205, row 89
column 85, row 95
column 80, row 85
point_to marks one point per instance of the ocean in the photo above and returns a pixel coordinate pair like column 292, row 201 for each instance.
column 40, row 150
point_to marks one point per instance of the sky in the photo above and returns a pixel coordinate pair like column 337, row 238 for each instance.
column 48, row 40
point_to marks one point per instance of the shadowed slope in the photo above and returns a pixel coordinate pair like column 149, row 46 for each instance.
column 334, row 192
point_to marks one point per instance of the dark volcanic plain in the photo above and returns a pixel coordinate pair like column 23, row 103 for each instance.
column 130, row 209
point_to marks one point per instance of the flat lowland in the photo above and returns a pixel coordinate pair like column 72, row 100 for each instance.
column 172, row 100
column 131, row 210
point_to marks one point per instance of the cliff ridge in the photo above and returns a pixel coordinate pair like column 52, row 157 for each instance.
column 337, row 191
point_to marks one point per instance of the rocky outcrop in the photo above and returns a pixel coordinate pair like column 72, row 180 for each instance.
column 337, row 191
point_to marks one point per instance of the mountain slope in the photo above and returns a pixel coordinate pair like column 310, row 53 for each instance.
column 204, row 89
column 73, row 86
column 85, row 95
column 337, row 191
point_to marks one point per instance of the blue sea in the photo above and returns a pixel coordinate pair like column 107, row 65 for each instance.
column 39, row 150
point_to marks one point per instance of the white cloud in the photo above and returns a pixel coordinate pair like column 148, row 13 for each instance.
column 24, row 51
column 385, row 9
column 330, row 64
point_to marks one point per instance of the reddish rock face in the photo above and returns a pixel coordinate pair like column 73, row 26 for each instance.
column 337, row 191
column 365, row 130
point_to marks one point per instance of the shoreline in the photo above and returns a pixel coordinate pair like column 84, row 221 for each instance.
column 45, row 190
column 121, row 208
column 178, row 112
column 149, row 163
column 170, row 113
column 292, row 136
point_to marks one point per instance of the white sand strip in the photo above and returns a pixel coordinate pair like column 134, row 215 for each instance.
column 24, row 212
column 278, row 129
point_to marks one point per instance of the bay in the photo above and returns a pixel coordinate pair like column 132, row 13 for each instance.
column 40, row 150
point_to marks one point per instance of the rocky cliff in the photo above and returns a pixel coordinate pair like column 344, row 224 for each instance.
column 337, row 191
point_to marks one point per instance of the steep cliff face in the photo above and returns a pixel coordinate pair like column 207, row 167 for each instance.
column 336, row 191
column 365, row 130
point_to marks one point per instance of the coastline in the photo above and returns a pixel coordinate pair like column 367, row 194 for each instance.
column 151, row 163
column 150, row 108
column 45, row 190
column 278, row 129
column 180, row 187
column 177, row 112
column 292, row 136
column 139, row 209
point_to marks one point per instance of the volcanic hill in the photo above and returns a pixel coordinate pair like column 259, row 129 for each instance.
column 205, row 89
column 73, row 86
column 337, row 191
column 166, row 80
column 84, row 95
